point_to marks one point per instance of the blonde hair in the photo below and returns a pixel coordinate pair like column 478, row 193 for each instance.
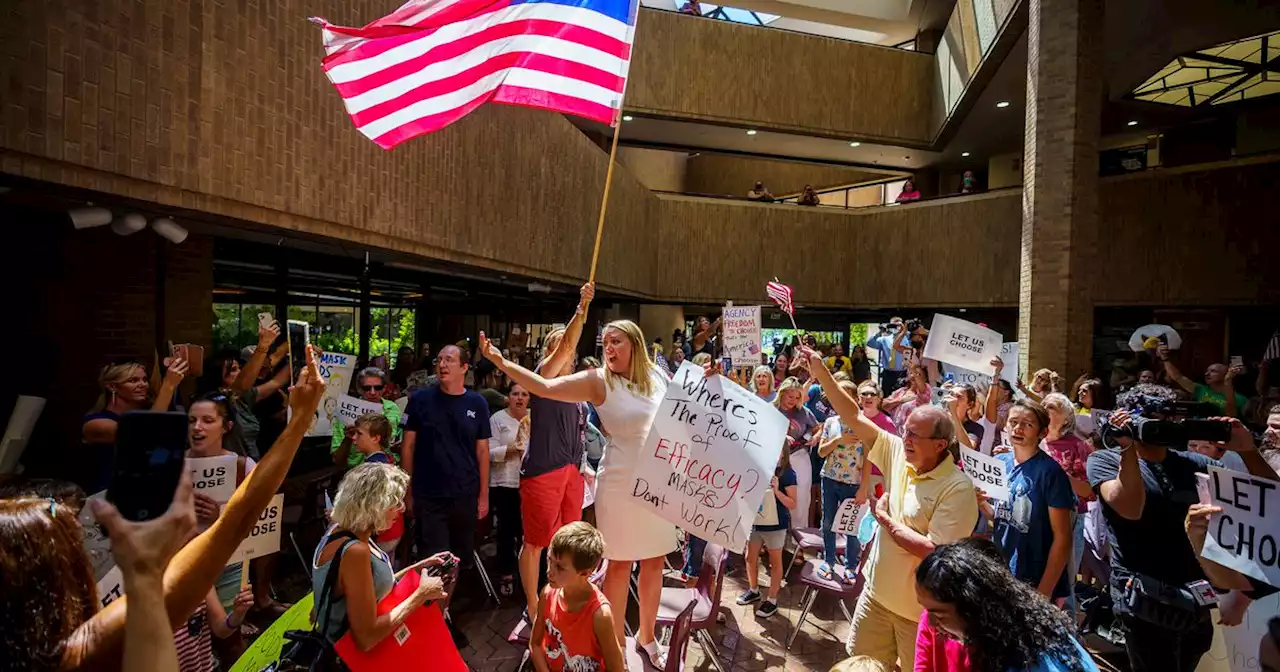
column 113, row 374
column 365, row 495
column 860, row 664
column 841, row 376
column 791, row 383
column 756, row 372
column 581, row 543
column 850, row 388
column 701, row 358
column 551, row 340
column 641, row 371
column 1059, row 402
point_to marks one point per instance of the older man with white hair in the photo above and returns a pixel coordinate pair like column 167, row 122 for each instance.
column 928, row 502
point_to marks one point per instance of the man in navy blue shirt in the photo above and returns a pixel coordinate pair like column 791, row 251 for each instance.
column 446, row 452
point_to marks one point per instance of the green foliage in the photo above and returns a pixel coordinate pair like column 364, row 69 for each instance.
column 333, row 329
column 857, row 334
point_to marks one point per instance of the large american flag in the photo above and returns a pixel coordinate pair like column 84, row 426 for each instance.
column 431, row 62
column 781, row 295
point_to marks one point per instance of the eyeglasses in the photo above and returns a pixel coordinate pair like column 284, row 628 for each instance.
column 868, row 394
column 913, row 435
column 371, row 388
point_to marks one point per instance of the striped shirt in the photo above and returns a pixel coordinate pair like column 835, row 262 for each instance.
column 195, row 652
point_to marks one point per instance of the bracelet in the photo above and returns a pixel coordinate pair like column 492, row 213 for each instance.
column 227, row 622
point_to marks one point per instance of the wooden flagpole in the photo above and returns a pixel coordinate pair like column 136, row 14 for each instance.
column 604, row 201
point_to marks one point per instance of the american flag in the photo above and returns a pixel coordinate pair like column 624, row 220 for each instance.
column 1273, row 348
column 432, row 62
column 781, row 295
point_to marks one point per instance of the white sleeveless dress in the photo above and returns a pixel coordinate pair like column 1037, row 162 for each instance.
column 631, row 531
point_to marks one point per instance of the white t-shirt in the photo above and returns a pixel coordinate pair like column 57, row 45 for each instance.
column 504, row 429
column 989, row 435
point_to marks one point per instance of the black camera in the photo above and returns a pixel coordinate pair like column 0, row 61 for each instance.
column 1175, row 423
column 913, row 326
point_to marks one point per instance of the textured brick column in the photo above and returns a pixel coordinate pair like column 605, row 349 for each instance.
column 1060, row 188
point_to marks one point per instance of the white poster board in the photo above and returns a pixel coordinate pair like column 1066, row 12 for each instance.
column 847, row 519
column 96, row 544
column 1008, row 354
column 26, row 410
column 111, row 587
column 264, row 538
column 1244, row 536
column 987, row 473
column 337, row 369
column 350, row 409
column 709, row 457
column 960, row 343
column 742, row 337
column 214, row 477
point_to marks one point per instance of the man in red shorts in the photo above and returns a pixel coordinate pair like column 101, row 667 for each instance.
column 551, row 485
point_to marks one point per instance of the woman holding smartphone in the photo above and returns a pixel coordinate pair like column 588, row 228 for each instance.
column 124, row 388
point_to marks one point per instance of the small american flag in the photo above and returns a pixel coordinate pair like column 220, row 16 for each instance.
column 1273, row 348
column 431, row 62
column 781, row 295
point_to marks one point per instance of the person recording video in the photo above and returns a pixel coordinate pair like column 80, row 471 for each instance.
column 1146, row 481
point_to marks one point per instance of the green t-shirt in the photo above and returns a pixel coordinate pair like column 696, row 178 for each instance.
column 1204, row 393
column 355, row 458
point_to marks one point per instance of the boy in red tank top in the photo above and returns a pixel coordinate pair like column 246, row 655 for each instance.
column 573, row 629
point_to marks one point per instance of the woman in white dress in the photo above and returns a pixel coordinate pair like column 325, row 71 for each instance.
column 626, row 392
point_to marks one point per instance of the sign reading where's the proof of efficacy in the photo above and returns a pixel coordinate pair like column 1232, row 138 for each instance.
column 742, row 339
column 964, row 344
column 1244, row 536
column 214, row 477
column 987, row 473
column 709, row 457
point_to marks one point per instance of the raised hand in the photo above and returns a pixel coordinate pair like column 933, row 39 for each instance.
column 489, row 351
column 1241, row 440
column 585, row 295
column 268, row 335
column 143, row 549
column 177, row 370
column 998, row 365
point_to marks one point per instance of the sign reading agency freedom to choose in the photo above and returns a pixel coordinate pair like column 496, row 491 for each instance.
column 709, row 457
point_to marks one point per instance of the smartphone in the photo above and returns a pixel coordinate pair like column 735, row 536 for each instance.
column 1237, row 360
column 265, row 320
column 194, row 354
column 726, row 364
column 151, row 451
column 299, row 339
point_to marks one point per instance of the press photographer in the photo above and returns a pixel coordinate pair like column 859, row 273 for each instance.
column 1146, row 481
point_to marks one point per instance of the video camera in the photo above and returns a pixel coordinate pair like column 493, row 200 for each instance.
column 1165, row 422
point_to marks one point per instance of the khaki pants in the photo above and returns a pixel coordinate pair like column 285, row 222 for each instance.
column 882, row 634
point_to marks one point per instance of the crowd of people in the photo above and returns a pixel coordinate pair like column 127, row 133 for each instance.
column 1098, row 529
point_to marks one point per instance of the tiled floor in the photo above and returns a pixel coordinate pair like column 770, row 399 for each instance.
column 745, row 642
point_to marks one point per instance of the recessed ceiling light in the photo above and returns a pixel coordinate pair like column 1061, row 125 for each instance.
column 907, row 158
column 1132, row 123
column 628, row 118
column 855, row 144
column 751, row 131
column 964, row 153
column 1002, row 104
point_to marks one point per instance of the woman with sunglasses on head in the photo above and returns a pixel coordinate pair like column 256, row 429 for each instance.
column 240, row 383
column 124, row 388
column 370, row 383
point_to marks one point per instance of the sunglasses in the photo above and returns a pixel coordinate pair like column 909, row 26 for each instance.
column 371, row 388
column 868, row 394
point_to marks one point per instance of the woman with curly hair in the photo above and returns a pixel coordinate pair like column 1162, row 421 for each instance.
column 1004, row 625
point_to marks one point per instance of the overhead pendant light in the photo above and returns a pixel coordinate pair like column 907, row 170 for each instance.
column 87, row 218
column 169, row 230
column 129, row 224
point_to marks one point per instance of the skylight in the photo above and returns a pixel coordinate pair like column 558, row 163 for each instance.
column 1224, row 73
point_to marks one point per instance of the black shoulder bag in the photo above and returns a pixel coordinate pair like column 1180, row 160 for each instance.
column 310, row 650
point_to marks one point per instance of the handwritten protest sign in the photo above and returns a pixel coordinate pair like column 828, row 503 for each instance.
column 1243, row 536
column 336, row 368
column 267, row 647
column 742, row 340
column 1008, row 354
column 847, row 520
column 987, row 473
column 709, row 456
column 264, row 538
column 964, row 344
column 350, row 409
column 214, row 477
column 111, row 587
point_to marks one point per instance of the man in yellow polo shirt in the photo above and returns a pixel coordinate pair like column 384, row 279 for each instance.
column 927, row 502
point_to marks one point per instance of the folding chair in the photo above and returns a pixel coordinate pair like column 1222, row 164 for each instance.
column 677, row 646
